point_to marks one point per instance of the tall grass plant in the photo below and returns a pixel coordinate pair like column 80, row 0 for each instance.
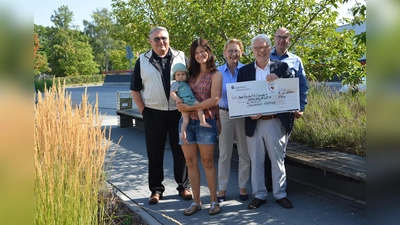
column 333, row 121
column 69, row 153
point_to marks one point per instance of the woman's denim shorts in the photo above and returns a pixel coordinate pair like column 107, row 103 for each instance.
column 196, row 134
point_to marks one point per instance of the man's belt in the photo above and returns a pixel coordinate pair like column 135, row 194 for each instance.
column 268, row 117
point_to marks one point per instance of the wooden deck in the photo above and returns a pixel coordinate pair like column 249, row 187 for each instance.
column 336, row 162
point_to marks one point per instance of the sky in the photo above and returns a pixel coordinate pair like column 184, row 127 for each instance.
column 82, row 9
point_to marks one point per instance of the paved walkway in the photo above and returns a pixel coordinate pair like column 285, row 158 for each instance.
column 127, row 170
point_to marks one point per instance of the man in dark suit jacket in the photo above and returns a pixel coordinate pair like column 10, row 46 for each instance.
column 267, row 134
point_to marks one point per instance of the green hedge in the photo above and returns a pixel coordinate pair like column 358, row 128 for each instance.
column 77, row 80
column 85, row 79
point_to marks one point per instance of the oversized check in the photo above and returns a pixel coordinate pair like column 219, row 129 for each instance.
column 262, row 97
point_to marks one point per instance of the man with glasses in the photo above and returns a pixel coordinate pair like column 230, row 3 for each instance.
column 267, row 134
column 280, row 52
column 150, row 88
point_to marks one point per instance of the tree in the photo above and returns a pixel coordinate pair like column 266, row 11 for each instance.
column 40, row 63
column 70, row 54
column 359, row 16
column 77, row 60
column 99, row 31
column 62, row 18
column 118, row 59
column 68, row 50
column 325, row 52
column 359, row 13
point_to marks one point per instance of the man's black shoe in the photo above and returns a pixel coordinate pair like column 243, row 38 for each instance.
column 256, row 203
column 285, row 203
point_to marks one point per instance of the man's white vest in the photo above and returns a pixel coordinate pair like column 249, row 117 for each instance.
column 153, row 90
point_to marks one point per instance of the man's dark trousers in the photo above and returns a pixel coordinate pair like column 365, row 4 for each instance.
column 157, row 125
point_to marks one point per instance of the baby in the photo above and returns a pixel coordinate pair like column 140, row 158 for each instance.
column 181, row 93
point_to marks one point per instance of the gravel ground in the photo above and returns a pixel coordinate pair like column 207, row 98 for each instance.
column 119, row 213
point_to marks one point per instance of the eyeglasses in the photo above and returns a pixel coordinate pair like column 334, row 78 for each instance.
column 231, row 51
column 157, row 39
column 257, row 49
column 282, row 37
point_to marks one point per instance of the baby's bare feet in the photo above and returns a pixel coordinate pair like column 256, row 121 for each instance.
column 183, row 138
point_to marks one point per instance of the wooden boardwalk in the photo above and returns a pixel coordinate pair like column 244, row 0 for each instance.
column 341, row 163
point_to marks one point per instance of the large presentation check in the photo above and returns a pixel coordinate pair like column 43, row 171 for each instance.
column 262, row 97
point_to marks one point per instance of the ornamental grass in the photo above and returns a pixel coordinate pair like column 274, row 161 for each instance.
column 333, row 121
column 69, row 153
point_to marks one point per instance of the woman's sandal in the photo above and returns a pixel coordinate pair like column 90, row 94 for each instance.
column 214, row 210
column 190, row 211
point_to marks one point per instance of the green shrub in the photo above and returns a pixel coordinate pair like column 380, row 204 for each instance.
column 41, row 84
column 333, row 121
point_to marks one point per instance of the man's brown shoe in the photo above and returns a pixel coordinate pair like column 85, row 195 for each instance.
column 186, row 194
column 155, row 198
